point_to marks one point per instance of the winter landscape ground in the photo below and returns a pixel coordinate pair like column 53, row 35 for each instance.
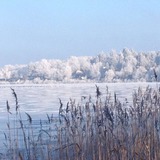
column 49, row 121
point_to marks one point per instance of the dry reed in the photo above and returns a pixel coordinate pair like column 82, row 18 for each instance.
column 101, row 130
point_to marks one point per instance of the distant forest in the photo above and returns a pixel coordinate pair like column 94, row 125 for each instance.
column 125, row 66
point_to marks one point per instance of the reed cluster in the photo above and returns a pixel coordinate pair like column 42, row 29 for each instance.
column 94, row 129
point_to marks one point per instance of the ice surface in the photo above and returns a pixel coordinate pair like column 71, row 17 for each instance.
column 39, row 100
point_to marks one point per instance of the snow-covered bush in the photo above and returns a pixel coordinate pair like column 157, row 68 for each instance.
column 128, row 65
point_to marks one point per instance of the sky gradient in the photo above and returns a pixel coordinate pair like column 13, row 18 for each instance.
column 31, row 30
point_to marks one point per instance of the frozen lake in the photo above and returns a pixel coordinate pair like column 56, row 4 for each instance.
column 39, row 100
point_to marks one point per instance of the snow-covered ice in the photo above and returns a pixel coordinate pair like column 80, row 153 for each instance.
column 39, row 100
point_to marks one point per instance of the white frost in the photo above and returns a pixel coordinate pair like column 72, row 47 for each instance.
column 127, row 65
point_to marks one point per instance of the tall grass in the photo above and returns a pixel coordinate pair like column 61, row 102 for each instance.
column 94, row 129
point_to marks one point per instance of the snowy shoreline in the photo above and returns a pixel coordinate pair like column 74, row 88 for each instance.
column 126, row 66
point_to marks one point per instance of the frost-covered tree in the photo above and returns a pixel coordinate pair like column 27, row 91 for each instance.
column 127, row 65
column 140, row 74
column 7, row 72
column 109, row 75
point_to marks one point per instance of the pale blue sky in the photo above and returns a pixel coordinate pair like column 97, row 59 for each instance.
column 34, row 29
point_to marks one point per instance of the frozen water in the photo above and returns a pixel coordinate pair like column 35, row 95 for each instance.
column 39, row 100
